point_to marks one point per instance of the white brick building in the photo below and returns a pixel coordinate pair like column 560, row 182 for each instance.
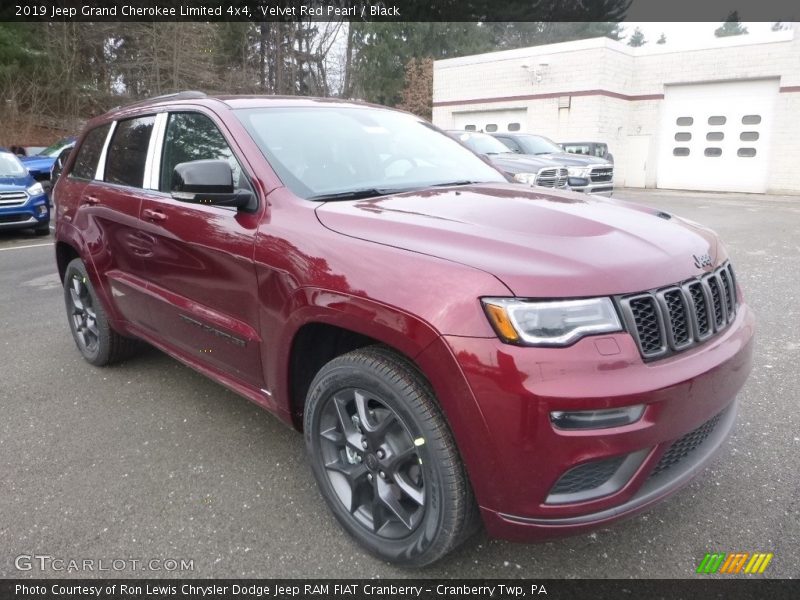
column 721, row 116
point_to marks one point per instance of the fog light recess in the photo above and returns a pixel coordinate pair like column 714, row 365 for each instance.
column 597, row 419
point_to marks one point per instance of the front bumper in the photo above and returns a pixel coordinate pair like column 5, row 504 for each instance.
column 33, row 213
column 516, row 389
column 585, row 186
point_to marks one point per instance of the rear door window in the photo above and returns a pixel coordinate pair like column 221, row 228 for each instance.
column 127, row 153
column 85, row 165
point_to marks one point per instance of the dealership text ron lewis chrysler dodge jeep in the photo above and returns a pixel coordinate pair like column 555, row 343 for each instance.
column 456, row 349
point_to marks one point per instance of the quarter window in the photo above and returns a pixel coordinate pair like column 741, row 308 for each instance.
column 85, row 165
column 193, row 136
column 127, row 152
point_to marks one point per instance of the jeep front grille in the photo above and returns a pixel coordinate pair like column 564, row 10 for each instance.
column 556, row 178
column 677, row 317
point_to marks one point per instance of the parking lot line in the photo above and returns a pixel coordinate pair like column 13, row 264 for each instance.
column 28, row 246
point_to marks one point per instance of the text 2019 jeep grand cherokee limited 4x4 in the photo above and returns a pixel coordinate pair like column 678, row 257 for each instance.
column 454, row 347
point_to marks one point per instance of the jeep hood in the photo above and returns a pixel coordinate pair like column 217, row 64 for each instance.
column 539, row 243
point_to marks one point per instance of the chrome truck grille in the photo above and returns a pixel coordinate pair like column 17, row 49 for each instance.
column 554, row 178
column 601, row 174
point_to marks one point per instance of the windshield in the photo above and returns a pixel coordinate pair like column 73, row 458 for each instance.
column 482, row 143
column 536, row 144
column 332, row 150
column 10, row 166
column 55, row 148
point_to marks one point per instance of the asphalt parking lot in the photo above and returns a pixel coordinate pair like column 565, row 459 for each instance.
column 150, row 460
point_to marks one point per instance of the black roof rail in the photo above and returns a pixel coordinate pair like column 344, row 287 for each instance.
column 185, row 95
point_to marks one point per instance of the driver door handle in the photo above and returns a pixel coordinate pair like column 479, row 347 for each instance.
column 153, row 215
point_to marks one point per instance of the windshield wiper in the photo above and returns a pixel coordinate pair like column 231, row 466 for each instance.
column 357, row 194
column 449, row 183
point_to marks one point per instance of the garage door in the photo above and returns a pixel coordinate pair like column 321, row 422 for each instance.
column 715, row 136
column 492, row 121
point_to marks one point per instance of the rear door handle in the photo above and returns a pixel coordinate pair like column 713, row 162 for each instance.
column 154, row 215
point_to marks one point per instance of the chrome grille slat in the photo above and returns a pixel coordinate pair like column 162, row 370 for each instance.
column 677, row 317
column 10, row 199
column 552, row 177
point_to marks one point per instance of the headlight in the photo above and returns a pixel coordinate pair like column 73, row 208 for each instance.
column 35, row 190
column 550, row 323
column 527, row 178
column 582, row 172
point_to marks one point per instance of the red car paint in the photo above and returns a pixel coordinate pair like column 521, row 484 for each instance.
column 409, row 270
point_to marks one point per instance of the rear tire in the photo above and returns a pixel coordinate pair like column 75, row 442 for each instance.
column 97, row 342
column 385, row 460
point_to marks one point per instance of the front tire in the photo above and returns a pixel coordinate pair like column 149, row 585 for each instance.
column 384, row 458
column 42, row 229
column 97, row 342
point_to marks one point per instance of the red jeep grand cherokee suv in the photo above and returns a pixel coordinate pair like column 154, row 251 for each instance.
column 455, row 348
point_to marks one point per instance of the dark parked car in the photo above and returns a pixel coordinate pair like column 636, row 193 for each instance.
column 530, row 170
column 598, row 149
column 455, row 348
column 23, row 202
column 587, row 174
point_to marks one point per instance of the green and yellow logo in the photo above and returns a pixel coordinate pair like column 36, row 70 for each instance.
column 735, row 562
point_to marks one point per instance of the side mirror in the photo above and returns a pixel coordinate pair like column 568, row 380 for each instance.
column 209, row 182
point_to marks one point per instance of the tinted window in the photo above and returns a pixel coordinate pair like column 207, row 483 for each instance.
column 127, row 152
column 491, row 127
column 192, row 136
column 513, row 126
column 86, row 162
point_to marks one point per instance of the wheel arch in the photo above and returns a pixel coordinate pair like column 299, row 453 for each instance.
column 327, row 324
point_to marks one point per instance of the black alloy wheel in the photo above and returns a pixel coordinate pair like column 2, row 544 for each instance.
column 384, row 458
column 97, row 341
column 372, row 462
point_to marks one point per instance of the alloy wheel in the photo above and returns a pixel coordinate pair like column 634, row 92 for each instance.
column 82, row 314
column 373, row 463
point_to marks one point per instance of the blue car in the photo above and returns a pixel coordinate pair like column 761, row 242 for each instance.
column 40, row 165
column 23, row 201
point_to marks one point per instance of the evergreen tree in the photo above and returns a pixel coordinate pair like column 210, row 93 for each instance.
column 731, row 26
column 637, row 38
